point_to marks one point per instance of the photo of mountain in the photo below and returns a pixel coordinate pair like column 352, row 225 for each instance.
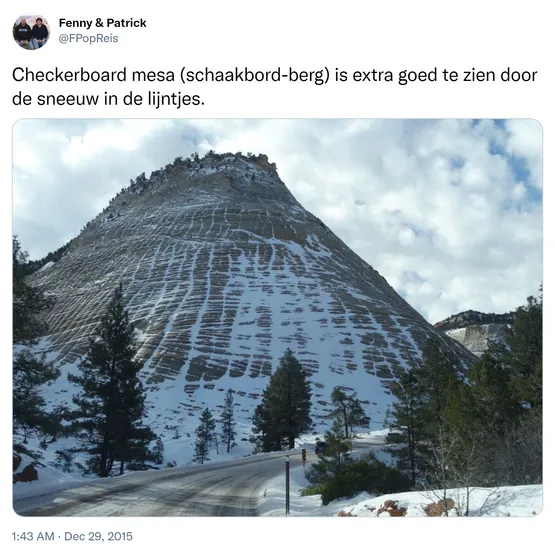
column 188, row 315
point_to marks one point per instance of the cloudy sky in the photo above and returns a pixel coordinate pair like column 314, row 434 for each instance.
column 448, row 211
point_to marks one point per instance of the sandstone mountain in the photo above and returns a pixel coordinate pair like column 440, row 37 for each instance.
column 222, row 270
column 476, row 330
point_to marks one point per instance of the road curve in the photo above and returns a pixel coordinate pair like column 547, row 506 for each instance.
column 229, row 488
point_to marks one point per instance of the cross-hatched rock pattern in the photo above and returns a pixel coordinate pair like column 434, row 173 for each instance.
column 222, row 270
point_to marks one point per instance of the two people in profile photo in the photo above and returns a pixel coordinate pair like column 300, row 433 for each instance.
column 31, row 38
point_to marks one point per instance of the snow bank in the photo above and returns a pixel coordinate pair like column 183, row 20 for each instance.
column 272, row 500
column 49, row 480
column 524, row 500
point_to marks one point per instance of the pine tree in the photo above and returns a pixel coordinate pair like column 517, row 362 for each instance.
column 54, row 426
column 495, row 405
column 356, row 417
column 111, row 401
column 524, row 355
column 227, row 421
column 205, row 433
column 334, row 459
column 158, row 451
column 348, row 409
column 30, row 372
column 340, row 402
column 406, row 421
column 436, row 377
column 265, row 431
column 497, row 411
column 133, row 437
column 287, row 399
column 338, row 446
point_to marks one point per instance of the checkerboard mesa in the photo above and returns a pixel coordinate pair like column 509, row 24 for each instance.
column 222, row 270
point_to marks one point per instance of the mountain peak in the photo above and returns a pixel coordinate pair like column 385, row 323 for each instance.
column 222, row 270
column 473, row 317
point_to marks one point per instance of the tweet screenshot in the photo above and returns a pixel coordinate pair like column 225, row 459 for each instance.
column 277, row 273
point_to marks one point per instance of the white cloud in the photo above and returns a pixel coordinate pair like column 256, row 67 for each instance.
column 525, row 140
column 437, row 207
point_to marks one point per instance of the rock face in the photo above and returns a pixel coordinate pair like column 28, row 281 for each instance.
column 477, row 338
column 223, row 270
column 476, row 330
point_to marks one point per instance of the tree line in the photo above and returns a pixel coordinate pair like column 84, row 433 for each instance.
column 478, row 428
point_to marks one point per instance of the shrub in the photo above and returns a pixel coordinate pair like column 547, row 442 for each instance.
column 363, row 475
column 311, row 490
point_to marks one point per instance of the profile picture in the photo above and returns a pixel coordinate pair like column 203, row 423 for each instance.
column 31, row 32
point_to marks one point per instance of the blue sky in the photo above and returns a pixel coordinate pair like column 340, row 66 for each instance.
column 448, row 211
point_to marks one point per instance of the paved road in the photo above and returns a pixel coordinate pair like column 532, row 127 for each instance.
column 229, row 488
column 224, row 489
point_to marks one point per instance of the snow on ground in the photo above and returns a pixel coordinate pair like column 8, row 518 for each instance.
column 272, row 500
column 180, row 451
column 521, row 501
column 368, row 442
column 50, row 479
column 377, row 437
column 177, row 452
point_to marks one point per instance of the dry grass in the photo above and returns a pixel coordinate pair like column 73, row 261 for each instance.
column 440, row 508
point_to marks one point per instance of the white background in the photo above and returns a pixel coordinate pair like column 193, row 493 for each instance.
column 305, row 35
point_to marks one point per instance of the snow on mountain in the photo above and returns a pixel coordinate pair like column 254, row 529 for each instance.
column 222, row 270
column 476, row 330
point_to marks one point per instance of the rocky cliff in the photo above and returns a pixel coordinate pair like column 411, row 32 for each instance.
column 223, row 270
column 476, row 330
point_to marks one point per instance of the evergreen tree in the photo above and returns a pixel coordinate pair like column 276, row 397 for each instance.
column 132, row 436
column 524, row 355
column 338, row 447
column 348, row 410
column 228, row 421
column 334, row 458
column 205, row 433
column 287, row 399
column 356, row 417
column 340, row 402
column 30, row 372
column 111, row 401
column 494, row 403
column 436, row 377
column 265, row 431
column 158, row 451
column 54, row 426
column 498, row 411
column 406, row 421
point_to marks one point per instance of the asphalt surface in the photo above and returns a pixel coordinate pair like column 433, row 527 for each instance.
column 229, row 488
column 224, row 489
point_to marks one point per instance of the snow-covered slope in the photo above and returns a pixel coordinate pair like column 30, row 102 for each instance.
column 222, row 270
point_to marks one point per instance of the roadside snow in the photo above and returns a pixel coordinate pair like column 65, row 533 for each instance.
column 521, row 501
column 50, row 480
column 272, row 500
